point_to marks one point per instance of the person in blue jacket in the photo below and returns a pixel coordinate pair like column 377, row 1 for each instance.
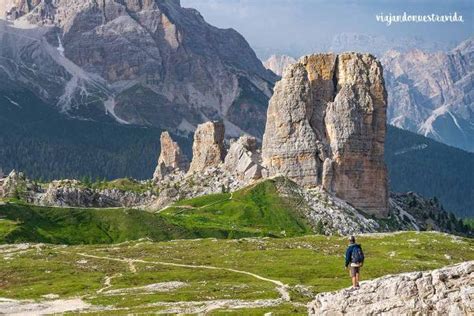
column 354, row 261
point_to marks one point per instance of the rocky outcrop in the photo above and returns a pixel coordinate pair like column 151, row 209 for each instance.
column 72, row 193
column 17, row 186
column 326, row 126
column 244, row 159
column 149, row 63
column 208, row 147
column 171, row 160
column 278, row 63
column 447, row 291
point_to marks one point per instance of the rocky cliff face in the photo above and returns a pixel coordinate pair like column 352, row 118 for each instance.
column 244, row 159
column 171, row 158
column 326, row 126
column 432, row 93
column 447, row 291
column 71, row 193
column 149, row 63
column 208, row 147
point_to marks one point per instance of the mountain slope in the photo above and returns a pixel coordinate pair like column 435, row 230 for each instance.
column 432, row 93
column 420, row 164
column 149, row 63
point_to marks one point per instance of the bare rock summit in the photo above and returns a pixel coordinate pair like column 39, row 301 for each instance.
column 208, row 146
column 326, row 126
column 171, row 158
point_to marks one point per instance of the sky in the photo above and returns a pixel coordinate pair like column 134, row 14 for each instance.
column 298, row 27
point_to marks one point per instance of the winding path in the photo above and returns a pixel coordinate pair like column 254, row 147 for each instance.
column 281, row 287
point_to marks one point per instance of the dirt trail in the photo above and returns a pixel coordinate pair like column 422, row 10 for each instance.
column 281, row 287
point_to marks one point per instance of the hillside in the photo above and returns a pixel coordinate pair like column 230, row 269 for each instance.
column 253, row 211
column 241, row 277
column 271, row 208
column 419, row 164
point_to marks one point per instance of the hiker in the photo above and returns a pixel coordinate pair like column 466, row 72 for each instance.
column 354, row 260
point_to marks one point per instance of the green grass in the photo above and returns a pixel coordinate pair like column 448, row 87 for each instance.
column 469, row 222
column 314, row 262
column 83, row 226
column 252, row 212
column 256, row 210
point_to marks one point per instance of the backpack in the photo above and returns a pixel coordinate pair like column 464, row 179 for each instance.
column 357, row 255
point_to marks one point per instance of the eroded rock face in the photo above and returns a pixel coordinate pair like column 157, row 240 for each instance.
column 208, row 146
column 447, row 291
column 243, row 159
column 143, row 62
column 171, row 158
column 72, row 193
column 326, row 126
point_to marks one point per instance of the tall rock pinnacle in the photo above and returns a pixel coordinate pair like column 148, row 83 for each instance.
column 326, row 126
column 208, row 146
column 171, row 158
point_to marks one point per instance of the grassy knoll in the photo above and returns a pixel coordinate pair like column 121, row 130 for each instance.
column 257, row 210
column 308, row 265
column 252, row 212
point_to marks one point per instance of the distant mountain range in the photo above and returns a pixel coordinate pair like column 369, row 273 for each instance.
column 433, row 93
column 428, row 93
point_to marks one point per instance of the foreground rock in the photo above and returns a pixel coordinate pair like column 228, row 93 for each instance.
column 447, row 291
column 208, row 146
column 326, row 126
column 171, row 160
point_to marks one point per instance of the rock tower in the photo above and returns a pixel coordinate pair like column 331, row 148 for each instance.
column 326, row 126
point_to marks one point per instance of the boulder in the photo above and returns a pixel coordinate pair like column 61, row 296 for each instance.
column 208, row 147
column 446, row 291
column 326, row 127
column 243, row 159
column 171, row 160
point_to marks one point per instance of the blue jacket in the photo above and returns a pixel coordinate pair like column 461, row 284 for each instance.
column 349, row 253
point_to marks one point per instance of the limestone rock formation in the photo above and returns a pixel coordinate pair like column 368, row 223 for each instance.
column 143, row 62
column 73, row 193
column 208, row 146
column 243, row 159
column 326, row 126
column 171, row 158
column 447, row 291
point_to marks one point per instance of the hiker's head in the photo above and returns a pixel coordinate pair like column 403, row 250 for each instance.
column 352, row 240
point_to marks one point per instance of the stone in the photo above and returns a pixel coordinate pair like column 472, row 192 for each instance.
column 171, row 158
column 72, row 193
column 208, row 146
column 243, row 159
column 446, row 291
column 326, row 127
